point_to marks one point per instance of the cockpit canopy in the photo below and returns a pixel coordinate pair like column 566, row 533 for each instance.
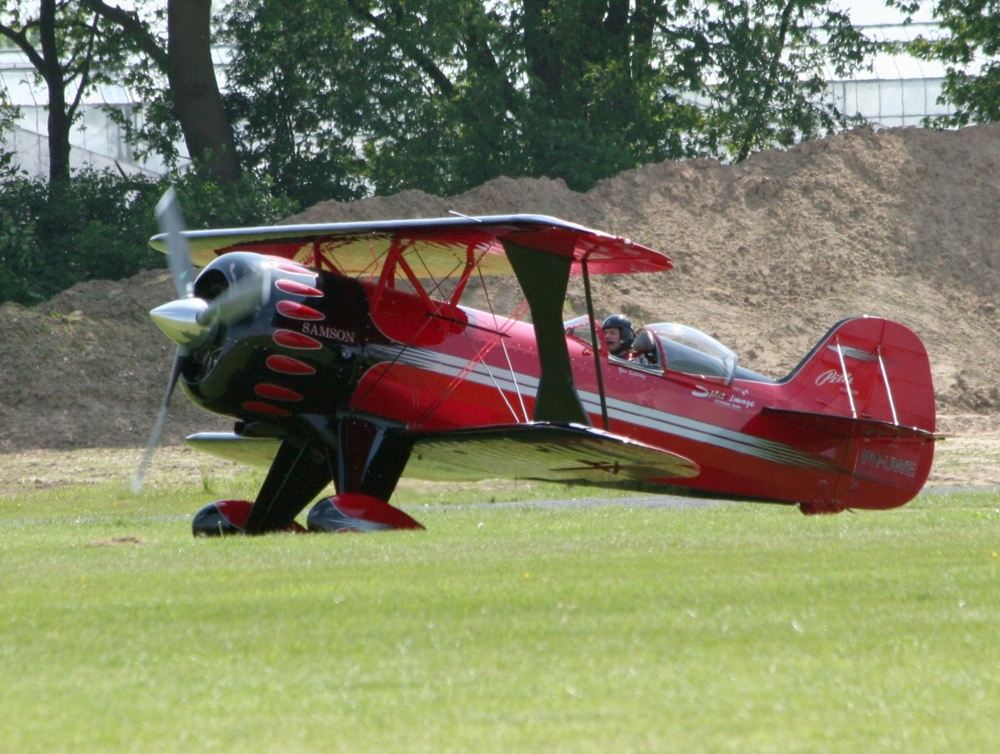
column 686, row 350
column 675, row 347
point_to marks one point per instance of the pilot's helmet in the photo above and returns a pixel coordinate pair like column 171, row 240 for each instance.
column 624, row 327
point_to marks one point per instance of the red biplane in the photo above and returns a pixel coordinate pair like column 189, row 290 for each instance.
column 345, row 354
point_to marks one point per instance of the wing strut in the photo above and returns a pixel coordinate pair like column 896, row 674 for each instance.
column 544, row 279
column 594, row 343
column 888, row 387
column 847, row 379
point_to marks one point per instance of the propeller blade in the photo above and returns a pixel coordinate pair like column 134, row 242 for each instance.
column 154, row 438
column 238, row 301
column 171, row 222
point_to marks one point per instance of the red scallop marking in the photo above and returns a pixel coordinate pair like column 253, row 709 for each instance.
column 288, row 365
column 276, row 392
column 297, row 340
column 294, row 310
column 297, row 289
column 265, row 408
column 295, row 269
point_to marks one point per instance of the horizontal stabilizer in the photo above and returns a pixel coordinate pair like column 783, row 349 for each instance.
column 567, row 454
column 846, row 426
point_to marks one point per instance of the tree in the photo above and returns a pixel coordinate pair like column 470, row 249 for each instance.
column 8, row 114
column 767, row 60
column 445, row 94
column 969, row 46
column 75, row 45
column 607, row 79
column 59, row 41
column 298, row 101
column 433, row 94
column 185, row 59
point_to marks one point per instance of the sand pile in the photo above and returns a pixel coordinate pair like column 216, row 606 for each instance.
column 769, row 254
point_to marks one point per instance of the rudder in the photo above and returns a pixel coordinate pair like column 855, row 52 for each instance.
column 866, row 368
column 872, row 377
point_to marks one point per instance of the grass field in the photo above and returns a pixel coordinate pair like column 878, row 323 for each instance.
column 615, row 628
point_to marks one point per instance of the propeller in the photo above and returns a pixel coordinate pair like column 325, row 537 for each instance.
column 154, row 438
column 239, row 300
column 171, row 222
column 190, row 321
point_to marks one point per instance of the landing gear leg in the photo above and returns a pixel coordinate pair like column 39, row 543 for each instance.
column 363, row 457
column 300, row 472
column 371, row 457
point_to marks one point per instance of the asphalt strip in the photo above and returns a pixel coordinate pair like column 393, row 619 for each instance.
column 645, row 501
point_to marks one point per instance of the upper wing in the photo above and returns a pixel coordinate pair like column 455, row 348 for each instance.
column 542, row 252
column 437, row 248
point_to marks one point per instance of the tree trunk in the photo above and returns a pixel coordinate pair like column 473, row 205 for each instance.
column 198, row 102
column 60, row 119
column 542, row 51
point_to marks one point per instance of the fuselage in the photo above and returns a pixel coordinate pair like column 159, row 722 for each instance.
column 325, row 343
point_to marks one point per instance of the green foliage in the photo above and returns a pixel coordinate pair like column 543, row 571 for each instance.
column 384, row 95
column 89, row 228
column 208, row 204
column 429, row 94
column 8, row 114
column 97, row 226
column 968, row 44
column 769, row 82
column 298, row 99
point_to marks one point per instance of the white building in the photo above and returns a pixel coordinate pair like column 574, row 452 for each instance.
column 97, row 142
column 899, row 90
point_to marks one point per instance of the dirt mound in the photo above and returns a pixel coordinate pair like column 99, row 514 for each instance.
column 89, row 368
column 769, row 254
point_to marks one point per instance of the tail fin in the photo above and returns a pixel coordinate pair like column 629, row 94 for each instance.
column 866, row 368
column 867, row 381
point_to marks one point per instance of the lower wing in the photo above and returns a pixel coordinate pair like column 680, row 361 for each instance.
column 566, row 454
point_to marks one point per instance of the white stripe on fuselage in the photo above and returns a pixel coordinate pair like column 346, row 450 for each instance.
column 640, row 416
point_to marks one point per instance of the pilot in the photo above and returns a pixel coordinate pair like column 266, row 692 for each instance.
column 618, row 334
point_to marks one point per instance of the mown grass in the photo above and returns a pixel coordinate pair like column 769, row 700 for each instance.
column 613, row 628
